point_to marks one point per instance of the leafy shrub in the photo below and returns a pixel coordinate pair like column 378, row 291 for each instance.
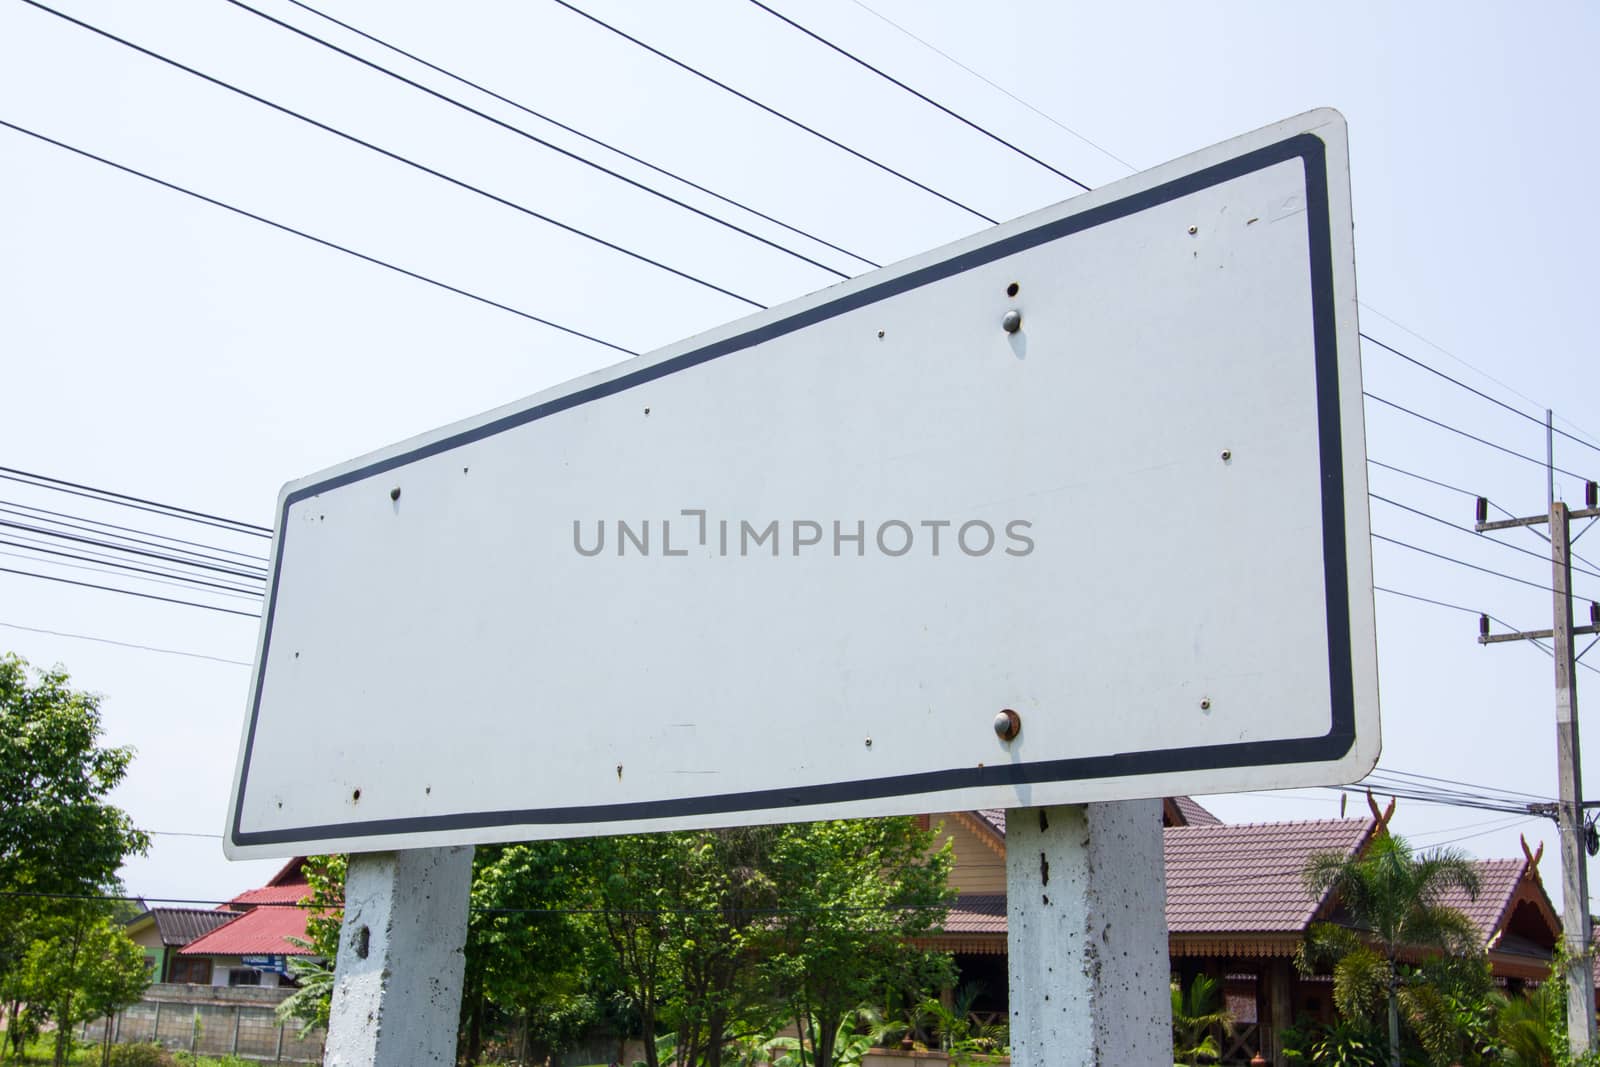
column 143, row 1055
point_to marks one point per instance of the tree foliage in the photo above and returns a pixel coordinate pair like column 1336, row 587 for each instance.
column 855, row 894
column 1198, row 1015
column 80, row 966
column 61, row 842
column 1393, row 898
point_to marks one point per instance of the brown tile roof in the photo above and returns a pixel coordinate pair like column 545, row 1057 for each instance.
column 977, row 913
column 1194, row 814
column 179, row 926
column 1497, row 884
column 1246, row 878
column 995, row 817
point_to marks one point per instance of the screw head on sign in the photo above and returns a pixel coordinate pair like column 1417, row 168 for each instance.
column 1007, row 724
column 1012, row 322
column 1227, row 454
column 1205, row 703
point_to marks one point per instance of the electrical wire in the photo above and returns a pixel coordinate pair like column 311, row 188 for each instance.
column 106, row 570
column 892, row 80
column 1474, row 533
column 1479, row 371
column 519, row 131
column 725, row 87
column 1473, row 437
column 321, row 241
column 58, row 518
column 129, row 592
column 543, row 117
column 397, row 157
column 1461, row 562
column 1478, row 496
column 45, row 481
column 1390, row 772
column 1540, row 645
column 125, row 644
column 257, row 575
column 129, row 568
column 1457, row 381
column 880, row 16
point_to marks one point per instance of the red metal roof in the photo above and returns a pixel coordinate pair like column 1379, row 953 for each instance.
column 272, row 894
column 258, row 932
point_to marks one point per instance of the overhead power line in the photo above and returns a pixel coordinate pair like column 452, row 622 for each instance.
column 991, row 83
column 254, row 573
column 129, row 592
column 590, row 138
column 1460, row 562
column 322, row 241
column 1497, row 402
column 892, row 80
column 1470, row 436
column 88, row 525
column 198, row 583
column 1473, row 533
column 398, row 158
column 774, row 112
column 520, row 132
column 124, row 644
column 1513, row 390
column 139, row 503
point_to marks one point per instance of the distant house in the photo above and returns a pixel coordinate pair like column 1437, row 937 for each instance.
column 162, row 931
column 253, row 946
column 1236, row 910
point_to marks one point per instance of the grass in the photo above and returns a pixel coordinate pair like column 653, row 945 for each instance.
column 41, row 1053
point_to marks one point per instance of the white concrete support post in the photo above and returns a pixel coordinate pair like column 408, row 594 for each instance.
column 397, row 980
column 1086, row 907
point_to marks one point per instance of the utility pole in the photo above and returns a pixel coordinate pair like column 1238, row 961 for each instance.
column 1581, row 1035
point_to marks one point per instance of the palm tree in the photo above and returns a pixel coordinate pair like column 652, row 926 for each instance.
column 1393, row 899
column 1197, row 1015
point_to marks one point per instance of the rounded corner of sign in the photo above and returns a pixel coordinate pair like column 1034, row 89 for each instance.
column 233, row 849
column 1360, row 756
column 1319, row 117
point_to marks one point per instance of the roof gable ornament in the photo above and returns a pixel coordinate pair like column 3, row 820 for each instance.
column 1533, row 857
column 1381, row 818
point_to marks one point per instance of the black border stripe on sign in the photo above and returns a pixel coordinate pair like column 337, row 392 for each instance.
column 1306, row 147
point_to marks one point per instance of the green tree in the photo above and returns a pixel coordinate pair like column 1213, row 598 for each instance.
column 1393, row 899
column 59, row 838
column 82, row 966
column 1198, row 1013
column 852, row 897
column 525, row 943
column 634, row 882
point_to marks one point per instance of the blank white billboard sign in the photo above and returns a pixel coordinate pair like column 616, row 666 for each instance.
column 1101, row 467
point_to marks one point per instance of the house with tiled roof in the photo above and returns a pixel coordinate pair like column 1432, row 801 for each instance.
column 161, row 932
column 1237, row 909
column 254, row 944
